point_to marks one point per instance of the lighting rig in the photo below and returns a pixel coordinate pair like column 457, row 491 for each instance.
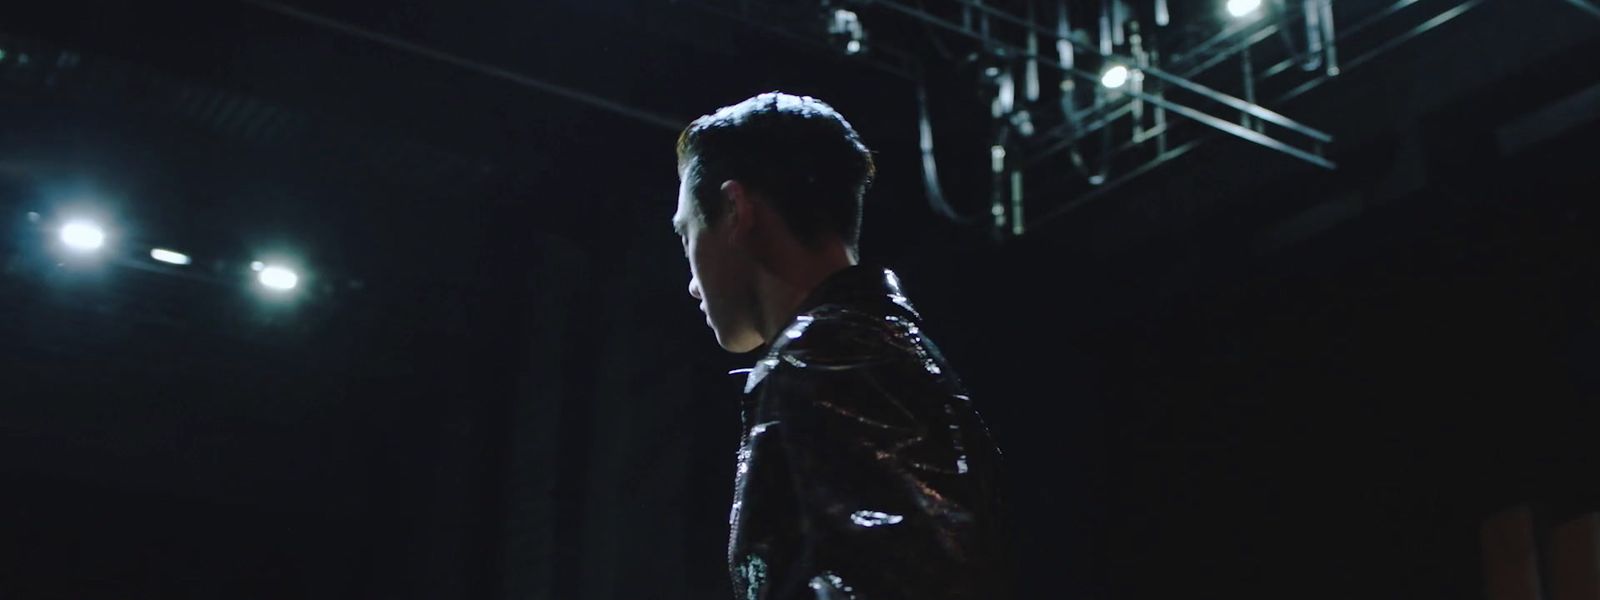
column 1087, row 95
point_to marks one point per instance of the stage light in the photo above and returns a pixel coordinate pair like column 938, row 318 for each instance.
column 169, row 257
column 278, row 278
column 1240, row 8
column 845, row 25
column 83, row 236
column 1114, row 77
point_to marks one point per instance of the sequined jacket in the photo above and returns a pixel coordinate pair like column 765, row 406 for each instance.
column 864, row 471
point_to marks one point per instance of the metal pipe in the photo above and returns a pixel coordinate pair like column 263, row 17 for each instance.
column 1064, row 31
column 1072, row 137
column 1204, row 48
column 930, row 166
column 1136, row 80
column 1330, row 49
column 1247, row 134
column 1159, row 133
column 1103, row 164
column 1030, row 74
column 1389, row 44
column 983, row 22
column 1358, row 27
column 1379, row 16
column 997, row 183
column 1005, row 98
column 1249, row 80
column 1106, row 45
column 1241, row 105
column 1101, row 94
column 1016, row 202
column 1108, row 186
column 1161, row 112
column 1426, row 26
column 1156, row 132
column 1065, row 51
column 1119, row 22
column 1218, row 59
column 1315, row 35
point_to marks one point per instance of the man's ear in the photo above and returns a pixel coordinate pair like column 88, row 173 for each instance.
column 739, row 209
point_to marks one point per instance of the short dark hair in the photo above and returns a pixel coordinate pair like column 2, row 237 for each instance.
column 796, row 151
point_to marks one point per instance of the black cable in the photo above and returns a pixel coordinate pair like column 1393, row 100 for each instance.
column 930, row 165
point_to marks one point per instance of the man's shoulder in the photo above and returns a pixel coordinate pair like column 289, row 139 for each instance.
column 843, row 336
column 868, row 364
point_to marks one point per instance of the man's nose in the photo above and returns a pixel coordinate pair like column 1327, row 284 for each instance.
column 694, row 288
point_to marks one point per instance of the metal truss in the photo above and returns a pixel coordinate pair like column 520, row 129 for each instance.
column 1059, row 119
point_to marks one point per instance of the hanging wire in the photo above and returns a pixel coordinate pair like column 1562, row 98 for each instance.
column 564, row 91
column 930, row 165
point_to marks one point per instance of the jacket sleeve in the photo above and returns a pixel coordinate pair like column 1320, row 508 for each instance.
column 878, row 488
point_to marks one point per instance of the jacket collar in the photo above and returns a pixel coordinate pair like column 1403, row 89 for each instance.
column 865, row 287
column 857, row 286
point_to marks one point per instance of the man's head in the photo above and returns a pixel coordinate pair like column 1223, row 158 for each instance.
column 760, row 182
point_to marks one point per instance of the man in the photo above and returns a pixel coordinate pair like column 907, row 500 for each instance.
column 864, row 472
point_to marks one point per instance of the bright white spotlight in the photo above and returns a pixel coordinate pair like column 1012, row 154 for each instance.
column 169, row 257
column 1114, row 77
column 278, row 278
column 1240, row 8
column 83, row 236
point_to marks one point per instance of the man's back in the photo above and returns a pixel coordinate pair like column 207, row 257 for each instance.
column 864, row 472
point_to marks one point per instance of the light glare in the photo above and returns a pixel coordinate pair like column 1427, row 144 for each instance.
column 278, row 278
column 1240, row 8
column 83, row 236
column 1115, row 76
column 169, row 257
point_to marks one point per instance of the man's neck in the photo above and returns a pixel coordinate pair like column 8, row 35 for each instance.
column 782, row 291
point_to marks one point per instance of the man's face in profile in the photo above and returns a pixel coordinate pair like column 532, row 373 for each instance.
column 719, row 275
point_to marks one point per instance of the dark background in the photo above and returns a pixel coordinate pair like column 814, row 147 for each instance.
column 1237, row 377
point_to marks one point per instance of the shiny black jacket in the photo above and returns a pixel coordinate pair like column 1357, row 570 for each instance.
column 864, row 472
